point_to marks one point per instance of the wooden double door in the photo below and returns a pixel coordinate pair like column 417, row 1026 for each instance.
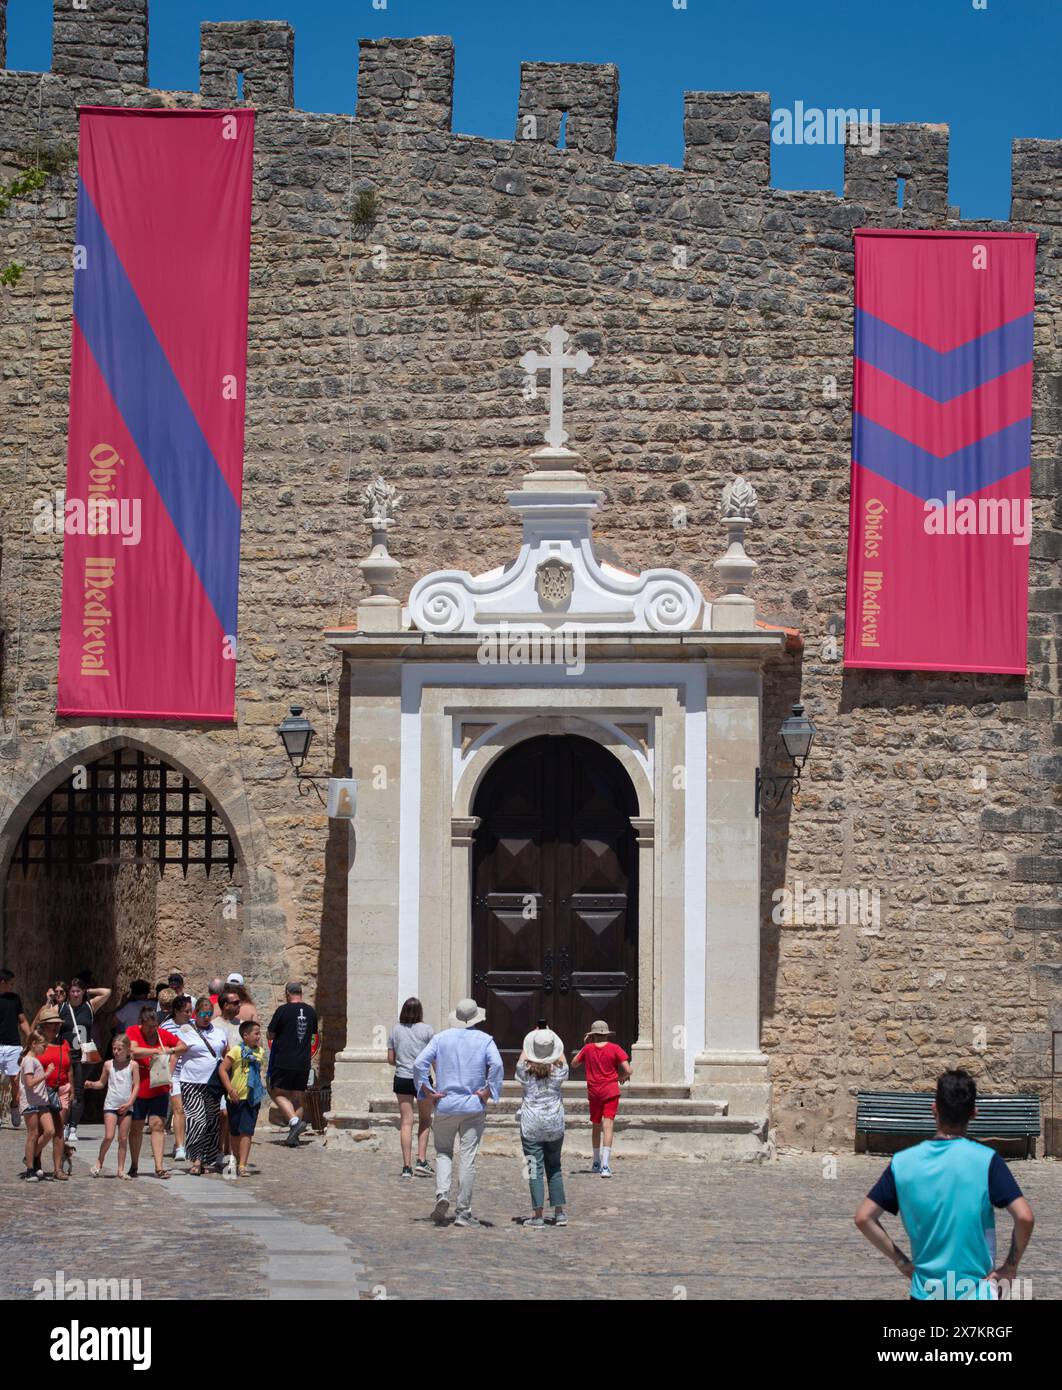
column 554, row 915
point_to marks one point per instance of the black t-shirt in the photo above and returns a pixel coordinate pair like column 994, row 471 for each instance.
column 10, row 1008
column 293, row 1027
column 71, row 1014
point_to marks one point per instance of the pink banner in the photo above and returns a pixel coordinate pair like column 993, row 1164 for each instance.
column 157, row 386
column 940, row 513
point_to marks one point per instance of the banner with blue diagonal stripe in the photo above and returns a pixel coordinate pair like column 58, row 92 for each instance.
column 940, row 515
column 151, row 517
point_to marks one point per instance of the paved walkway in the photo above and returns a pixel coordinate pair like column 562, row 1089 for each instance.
column 322, row 1223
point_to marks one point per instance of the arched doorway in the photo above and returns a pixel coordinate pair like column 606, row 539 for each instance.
column 554, row 908
column 126, row 869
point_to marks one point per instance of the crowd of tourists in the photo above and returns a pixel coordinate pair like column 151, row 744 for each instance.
column 451, row 1075
column 200, row 1067
column 196, row 1066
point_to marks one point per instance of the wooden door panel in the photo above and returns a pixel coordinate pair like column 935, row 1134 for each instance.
column 511, row 1014
column 514, row 941
column 517, row 864
column 598, row 937
column 598, row 857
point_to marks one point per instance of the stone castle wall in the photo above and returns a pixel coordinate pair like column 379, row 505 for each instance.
column 393, row 347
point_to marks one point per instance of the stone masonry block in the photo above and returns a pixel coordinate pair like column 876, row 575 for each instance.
column 1036, row 181
column 262, row 50
column 587, row 93
column 728, row 136
column 918, row 154
column 106, row 40
column 406, row 83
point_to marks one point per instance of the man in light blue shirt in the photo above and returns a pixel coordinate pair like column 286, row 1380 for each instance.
column 944, row 1191
column 468, row 1072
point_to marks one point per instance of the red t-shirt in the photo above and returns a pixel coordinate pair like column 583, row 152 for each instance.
column 602, row 1069
column 135, row 1035
column 58, row 1055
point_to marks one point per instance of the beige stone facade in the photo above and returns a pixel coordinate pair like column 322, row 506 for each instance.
column 937, row 790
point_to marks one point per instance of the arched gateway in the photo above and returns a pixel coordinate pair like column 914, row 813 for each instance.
column 124, row 868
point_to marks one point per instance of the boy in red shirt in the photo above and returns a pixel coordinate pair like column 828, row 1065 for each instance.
column 607, row 1066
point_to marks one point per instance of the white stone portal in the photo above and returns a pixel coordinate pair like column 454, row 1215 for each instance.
column 641, row 663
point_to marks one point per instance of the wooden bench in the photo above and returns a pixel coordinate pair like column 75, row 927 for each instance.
column 902, row 1114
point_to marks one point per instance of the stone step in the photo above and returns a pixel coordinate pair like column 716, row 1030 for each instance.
column 629, row 1105
column 656, row 1121
column 633, row 1090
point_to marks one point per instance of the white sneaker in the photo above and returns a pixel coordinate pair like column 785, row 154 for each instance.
column 179, row 1154
column 230, row 1166
column 71, row 1135
column 606, row 1172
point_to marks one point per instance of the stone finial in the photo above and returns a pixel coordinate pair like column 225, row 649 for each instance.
column 381, row 502
column 381, row 611
column 739, row 500
column 734, row 611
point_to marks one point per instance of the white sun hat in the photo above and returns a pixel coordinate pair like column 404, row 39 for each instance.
column 543, row 1045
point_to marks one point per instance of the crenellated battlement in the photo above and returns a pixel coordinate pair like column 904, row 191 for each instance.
column 728, row 137
column 405, row 87
column 406, row 83
column 262, row 52
column 918, row 154
column 102, row 40
column 587, row 94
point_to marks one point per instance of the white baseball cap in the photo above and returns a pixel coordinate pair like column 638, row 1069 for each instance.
column 234, row 979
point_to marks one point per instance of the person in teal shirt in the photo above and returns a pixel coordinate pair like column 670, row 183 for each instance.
column 945, row 1191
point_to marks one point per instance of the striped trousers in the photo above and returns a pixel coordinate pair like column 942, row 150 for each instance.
column 203, row 1116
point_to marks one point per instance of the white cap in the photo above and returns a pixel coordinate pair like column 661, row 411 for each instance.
column 234, row 979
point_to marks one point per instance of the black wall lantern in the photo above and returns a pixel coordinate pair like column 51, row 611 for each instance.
column 798, row 734
column 296, row 734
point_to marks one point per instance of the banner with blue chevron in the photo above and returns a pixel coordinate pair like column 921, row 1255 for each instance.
column 151, row 516
column 940, row 513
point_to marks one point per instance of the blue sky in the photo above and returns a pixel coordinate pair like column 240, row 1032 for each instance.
column 991, row 74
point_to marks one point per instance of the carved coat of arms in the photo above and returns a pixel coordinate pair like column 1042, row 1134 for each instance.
column 553, row 583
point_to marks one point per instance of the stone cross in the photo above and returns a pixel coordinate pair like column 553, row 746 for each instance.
column 556, row 362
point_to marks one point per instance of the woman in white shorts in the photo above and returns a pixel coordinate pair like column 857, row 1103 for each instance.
column 183, row 1005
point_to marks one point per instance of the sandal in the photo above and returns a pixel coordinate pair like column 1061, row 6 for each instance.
column 133, row 1173
column 61, row 1177
column 96, row 1169
column 242, row 1172
column 162, row 1173
column 196, row 1170
column 127, row 1175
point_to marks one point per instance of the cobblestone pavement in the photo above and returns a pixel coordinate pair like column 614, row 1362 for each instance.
column 325, row 1223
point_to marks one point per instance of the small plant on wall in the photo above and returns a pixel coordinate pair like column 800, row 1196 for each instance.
column 474, row 304
column 366, row 210
column 28, row 181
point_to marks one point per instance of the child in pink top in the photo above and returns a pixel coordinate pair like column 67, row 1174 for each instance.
column 33, row 1086
column 607, row 1067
